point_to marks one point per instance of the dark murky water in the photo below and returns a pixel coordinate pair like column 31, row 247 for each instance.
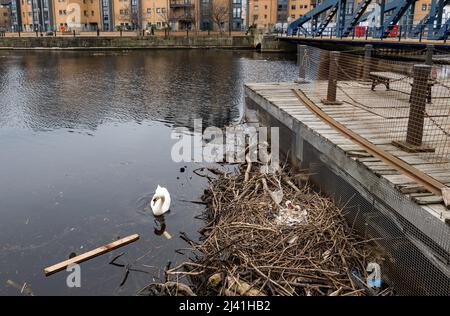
column 85, row 139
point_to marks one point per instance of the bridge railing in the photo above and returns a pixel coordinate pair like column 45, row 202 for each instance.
column 416, row 32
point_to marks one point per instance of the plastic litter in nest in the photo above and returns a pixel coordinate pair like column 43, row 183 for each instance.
column 292, row 215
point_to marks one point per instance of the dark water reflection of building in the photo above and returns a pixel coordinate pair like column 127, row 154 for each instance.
column 48, row 90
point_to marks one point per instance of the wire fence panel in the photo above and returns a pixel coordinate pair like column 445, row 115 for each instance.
column 401, row 107
column 389, row 102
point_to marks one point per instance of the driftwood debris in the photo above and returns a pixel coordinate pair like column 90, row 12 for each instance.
column 91, row 254
column 246, row 250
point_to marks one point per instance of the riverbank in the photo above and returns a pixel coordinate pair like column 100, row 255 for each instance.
column 127, row 42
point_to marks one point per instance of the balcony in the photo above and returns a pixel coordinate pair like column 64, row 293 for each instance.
column 181, row 4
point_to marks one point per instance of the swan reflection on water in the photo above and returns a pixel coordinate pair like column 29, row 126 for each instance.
column 160, row 229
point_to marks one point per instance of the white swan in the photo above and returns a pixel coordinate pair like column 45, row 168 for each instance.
column 160, row 201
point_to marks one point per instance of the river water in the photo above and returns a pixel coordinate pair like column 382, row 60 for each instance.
column 85, row 138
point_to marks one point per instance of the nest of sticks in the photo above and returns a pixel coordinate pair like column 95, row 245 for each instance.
column 246, row 250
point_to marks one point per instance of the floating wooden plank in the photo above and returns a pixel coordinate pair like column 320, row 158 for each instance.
column 91, row 254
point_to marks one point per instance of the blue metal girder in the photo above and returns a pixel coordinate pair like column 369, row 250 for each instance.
column 356, row 17
column 401, row 7
column 340, row 19
column 427, row 20
column 326, row 5
column 388, row 7
column 444, row 31
column 327, row 20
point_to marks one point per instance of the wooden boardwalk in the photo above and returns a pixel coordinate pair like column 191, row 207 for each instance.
column 368, row 118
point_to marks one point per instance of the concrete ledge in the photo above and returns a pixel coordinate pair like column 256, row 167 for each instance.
column 148, row 42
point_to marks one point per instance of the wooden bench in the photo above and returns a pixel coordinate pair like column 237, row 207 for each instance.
column 385, row 77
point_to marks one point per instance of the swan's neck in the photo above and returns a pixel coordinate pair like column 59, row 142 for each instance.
column 159, row 202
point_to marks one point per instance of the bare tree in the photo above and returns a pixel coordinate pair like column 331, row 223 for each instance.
column 124, row 15
column 219, row 13
column 167, row 17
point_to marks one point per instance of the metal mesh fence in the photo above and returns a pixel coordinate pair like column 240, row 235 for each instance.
column 400, row 103
column 411, row 262
column 402, row 107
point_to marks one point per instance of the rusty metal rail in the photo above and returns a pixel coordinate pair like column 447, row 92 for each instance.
column 420, row 177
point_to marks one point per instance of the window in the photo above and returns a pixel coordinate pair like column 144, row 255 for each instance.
column 265, row 16
column 158, row 10
column 85, row 13
column 158, row 24
column 424, row 7
column 237, row 13
column 149, row 10
column 293, row 7
column 350, row 7
column 265, row 7
column 92, row 13
column 163, row 10
column 293, row 16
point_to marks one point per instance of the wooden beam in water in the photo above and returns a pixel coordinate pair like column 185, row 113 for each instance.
column 91, row 254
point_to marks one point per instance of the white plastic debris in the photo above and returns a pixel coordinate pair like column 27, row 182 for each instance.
column 292, row 215
column 278, row 196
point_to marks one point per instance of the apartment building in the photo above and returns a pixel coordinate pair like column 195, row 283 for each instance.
column 266, row 14
column 109, row 15
column 262, row 13
column 297, row 8
column 5, row 15
column 76, row 15
column 155, row 12
column 184, row 14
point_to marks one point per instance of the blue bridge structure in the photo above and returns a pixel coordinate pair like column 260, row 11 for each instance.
column 372, row 18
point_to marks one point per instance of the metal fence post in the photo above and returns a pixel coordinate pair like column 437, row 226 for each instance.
column 332, row 79
column 429, row 55
column 301, row 56
column 367, row 61
column 445, row 36
column 418, row 101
